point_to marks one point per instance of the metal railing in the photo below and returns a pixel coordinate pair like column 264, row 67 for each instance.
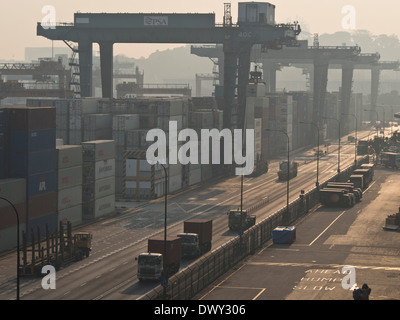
column 191, row 280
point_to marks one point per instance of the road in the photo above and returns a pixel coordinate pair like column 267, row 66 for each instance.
column 110, row 271
column 327, row 240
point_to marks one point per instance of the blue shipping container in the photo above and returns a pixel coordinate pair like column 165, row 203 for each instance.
column 284, row 235
column 32, row 225
column 41, row 183
column 25, row 164
column 29, row 141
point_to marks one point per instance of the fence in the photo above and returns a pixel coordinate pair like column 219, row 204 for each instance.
column 191, row 280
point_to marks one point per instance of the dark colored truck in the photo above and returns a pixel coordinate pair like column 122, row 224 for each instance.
column 349, row 187
column 390, row 160
column 367, row 173
column 151, row 263
column 283, row 170
column 332, row 197
column 358, row 181
column 362, row 147
column 197, row 236
column 240, row 221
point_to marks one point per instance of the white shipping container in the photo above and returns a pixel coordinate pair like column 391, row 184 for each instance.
column 125, row 122
column 99, row 189
column 174, row 183
column 69, row 156
column 69, row 177
column 69, row 197
column 73, row 215
column 98, row 150
column 98, row 208
column 194, row 176
column 93, row 122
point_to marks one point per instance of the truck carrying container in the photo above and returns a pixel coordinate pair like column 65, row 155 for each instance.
column 197, row 236
column 347, row 186
column 336, row 198
column 151, row 264
column 283, row 170
column 358, row 181
column 284, row 235
column 367, row 173
column 362, row 147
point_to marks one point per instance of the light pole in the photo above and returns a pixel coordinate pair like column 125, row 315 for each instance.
column 355, row 142
column 338, row 169
column 164, row 280
column 286, row 218
column 376, row 125
column 312, row 123
column 18, row 263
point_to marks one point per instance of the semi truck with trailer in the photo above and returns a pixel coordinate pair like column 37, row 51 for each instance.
column 283, row 170
column 196, row 237
column 332, row 197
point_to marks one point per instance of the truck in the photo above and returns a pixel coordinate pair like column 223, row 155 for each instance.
column 358, row 181
column 196, row 237
column 362, row 147
column 283, row 170
column 367, row 173
column 240, row 220
column 151, row 263
column 332, row 197
column 358, row 194
column 390, row 160
column 369, row 166
column 82, row 244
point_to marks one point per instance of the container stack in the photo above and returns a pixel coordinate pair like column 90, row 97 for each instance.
column 69, row 184
column 122, row 126
column 62, row 120
column 97, row 127
column 99, row 179
column 32, row 156
column 13, row 190
column 78, row 108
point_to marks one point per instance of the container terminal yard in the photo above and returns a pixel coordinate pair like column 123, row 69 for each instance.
column 113, row 187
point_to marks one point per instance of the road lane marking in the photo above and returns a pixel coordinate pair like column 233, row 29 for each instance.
column 255, row 298
column 326, row 229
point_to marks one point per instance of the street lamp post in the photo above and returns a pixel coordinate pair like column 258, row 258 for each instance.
column 376, row 120
column 286, row 218
column 355, row 142
column 164, row 281
column 312, row 123
column 338, row 169
column 18, row 263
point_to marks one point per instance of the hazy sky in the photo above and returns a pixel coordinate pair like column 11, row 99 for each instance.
column 18, row 18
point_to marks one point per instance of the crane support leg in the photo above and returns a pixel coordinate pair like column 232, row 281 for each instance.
column 106, row 61
column 85, row 68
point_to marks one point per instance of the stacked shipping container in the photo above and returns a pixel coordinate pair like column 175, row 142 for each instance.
column 69, row 184
column 32, row 156
column 99, row 179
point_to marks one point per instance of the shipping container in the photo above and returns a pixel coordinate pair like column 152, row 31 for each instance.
column 30, row 119
column 69, row 177
column 73, row 215
column 124, row 122
column 14, row 190
column 98, row 150
column 98, row 170
column 98, row 208
column 41, row 183
column 40, row 223
column 8, row 237
column 256, row 13
column 98, row 189
column 24, row 164
column 42, row 205
column 69, row 197
column 8, row 216
column 30, row 141
column 69, row 156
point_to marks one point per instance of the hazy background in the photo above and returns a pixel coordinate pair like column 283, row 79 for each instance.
column 18, row 18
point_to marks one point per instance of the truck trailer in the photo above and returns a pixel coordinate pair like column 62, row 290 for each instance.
column 331, row 197
column 348, row 186
column 151, row 263
column 196, row 237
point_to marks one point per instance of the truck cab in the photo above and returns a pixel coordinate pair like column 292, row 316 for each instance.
column 239, row 220
column 150, row 266
column 83, row 244
column 190, row 244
